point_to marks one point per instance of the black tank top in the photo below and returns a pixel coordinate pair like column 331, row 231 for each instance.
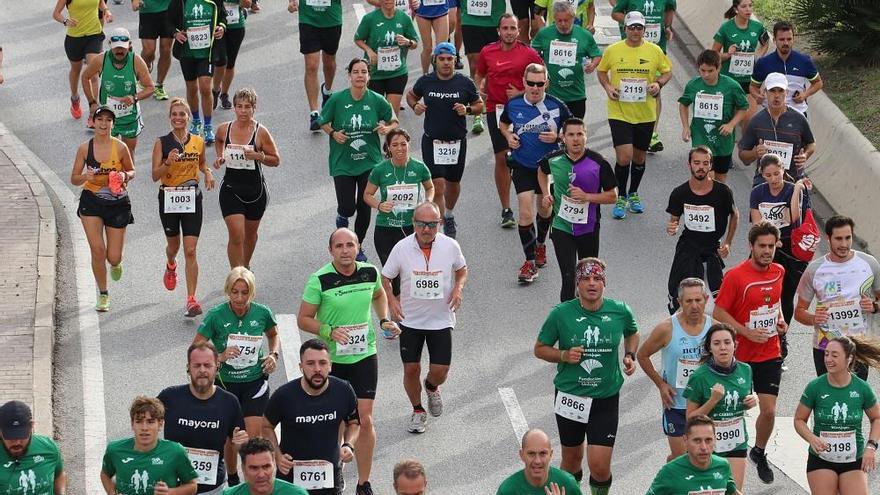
column 244, row 182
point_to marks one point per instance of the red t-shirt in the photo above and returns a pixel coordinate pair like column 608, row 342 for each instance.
column 748, row 293
column 501, row 68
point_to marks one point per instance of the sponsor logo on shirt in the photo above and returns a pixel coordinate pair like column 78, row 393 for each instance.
column 38, row 459
column 436, row 94
column 316, row 418
column 196, row 424
column 157, row 461
column 127, row 460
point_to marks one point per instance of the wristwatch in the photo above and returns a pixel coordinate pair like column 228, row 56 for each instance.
column 876, row 306
column 871, row 443
column 274, row 354
column 350, row 446
column 630, row 354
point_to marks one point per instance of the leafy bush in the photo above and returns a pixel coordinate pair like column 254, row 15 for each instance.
column 846, row 29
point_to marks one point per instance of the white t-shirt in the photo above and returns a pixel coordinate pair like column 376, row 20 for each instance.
column 423, row 309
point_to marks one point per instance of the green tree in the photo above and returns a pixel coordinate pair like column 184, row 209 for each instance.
column 847, row 29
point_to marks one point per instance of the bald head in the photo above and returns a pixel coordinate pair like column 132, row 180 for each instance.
column 341, row 235
column 535, row 438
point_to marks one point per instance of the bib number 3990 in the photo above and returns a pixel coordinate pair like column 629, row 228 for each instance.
column 573, row 407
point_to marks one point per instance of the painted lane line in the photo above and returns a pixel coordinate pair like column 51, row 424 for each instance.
column 786, row 449
column 514, row 413
column 288, row 332
column 359, row 11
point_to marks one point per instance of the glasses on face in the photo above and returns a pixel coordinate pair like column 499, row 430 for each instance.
column 116, row 39
column 426, row 225
column 536, row 84
column 636, row 27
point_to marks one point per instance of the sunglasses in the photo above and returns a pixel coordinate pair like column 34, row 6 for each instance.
column 115, row 39
column 636, row 27
column 536, row 84
column 426, row 225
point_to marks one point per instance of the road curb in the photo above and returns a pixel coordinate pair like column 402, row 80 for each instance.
column 44, row 310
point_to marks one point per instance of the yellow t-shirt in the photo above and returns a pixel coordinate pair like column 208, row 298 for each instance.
column 184, row 170
column 636, row 66
column 85, row 12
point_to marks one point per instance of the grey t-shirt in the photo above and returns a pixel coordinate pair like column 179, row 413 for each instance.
column 791, row 128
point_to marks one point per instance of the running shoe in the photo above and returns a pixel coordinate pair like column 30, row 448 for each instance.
column 435, row 402
column 458, row 64
column 315, row 122
column 75, row 110
column 478, row 124
column 364, row 489
column 507, row 220
column 209, row 134
column 619, row 210
column 224, row 101
column 195, row 127
column 656, row 145
column 116, row 272
column 103, row 304
column 528, row 273
column 635, row 203
column 193, row 308
column 90, row 123
column 341, row 222
column 325, row 95
column 362, row 257
column 449, row 227
column 765, row 472
column 541, row 255
column 417, row 422
column 170, row 278
column 159, row 93
column 215, row 98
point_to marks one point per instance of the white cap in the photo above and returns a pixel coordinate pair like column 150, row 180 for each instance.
column 775, row 80
column 634, row 17
column 120, row 33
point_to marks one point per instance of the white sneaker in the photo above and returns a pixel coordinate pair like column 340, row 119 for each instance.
column 435, row 403
column 417, row 422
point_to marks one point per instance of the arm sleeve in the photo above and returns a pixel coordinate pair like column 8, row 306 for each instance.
column 549, row 333
column 870, row 398
column 607, row 179
column 621, row 6
column 363, row 30
column 504, row 117
column 760, row 71
column 665, row 65
column 687, row 97
column 807, row 133
column 391, row 267
column 536, row 57
column 459, row 262
column 719, row 37
column 206, row 329
column 694, row 390
column 237, row 417
column 482, row 66
column 544, row 165
column 592, row 48
column 352, row 416
column 273, row 409
column 59, row 463
column 748, row 139
column 808, row 398
column 375, row 177
column 805, row 288
column 875, row 269
column 385, row 111
column 312, row 291
column 107, row 466
column 473, row 95
column 221, row 15
column 727, row 293
column 632, row 326
column 676, row 205
column 271, row 321
column 417, row 87
column 812, row 71
column 411, row 32
column 328, row 111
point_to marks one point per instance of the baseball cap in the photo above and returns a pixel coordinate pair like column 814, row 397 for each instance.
column 15, row 420
column 775, row 80
column 633, row 18
column 119, row 38
column 446, row 48
column 102, row 109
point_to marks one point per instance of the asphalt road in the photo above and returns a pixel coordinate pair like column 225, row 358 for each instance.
column 473, row 446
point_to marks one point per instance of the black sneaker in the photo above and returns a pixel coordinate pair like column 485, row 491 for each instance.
column 216, row 99
column 324, row 95
column 232, row 479
column 458, row 64
column 315, row 122
column 224, row 101
column 765, row 473
column 449, row 227
column 507, row 220
column 364, row 489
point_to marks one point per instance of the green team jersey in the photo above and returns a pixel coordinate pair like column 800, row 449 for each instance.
column 516, row 484
column 235, row 15
column 679, row 477
column 564, row 61
column 746, row 40
column 839, row 410
column 281, row 488
column 484, row 13
column 196, row 15
column 654, row 12
column 138, row 472
column 737, row 385
column 154, row 6
column 224, row 328
column 320, row 13
column 118, row 83
column 34, row 472
column 380, row 34
column 723, row 99
column 345, row 302
column 581, row 14
column 600, row 333
column 357, row 119
column 386, row 175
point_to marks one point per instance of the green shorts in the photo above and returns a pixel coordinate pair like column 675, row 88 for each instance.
column 128, row 130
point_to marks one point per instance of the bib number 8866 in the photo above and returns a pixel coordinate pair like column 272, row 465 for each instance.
column 577, row 406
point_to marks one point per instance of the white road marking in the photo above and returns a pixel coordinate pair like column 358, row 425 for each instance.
column 514, row 413
column 786, row 449
column 290, row 342
column 359, row 11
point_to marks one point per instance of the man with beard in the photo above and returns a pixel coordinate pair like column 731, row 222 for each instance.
column 800, row 71
column 538, row 476
column 258, row 459
column 708, row 210
column 201, row 417
column 311, row 411
column 28, row 462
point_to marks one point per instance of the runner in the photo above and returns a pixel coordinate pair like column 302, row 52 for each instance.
column 679, row 340
column 527, row 20
column 432, row 16
column 582, row 178
column 739, row 41
column 226, row 51
column 719, row 104
column 839, row 457
column 121, row 73
column 202, row 417
column 145, row 462
column 399, row 193
column 258, row 459
column 236, row 330
column 499, row 74
column 342, row 319
column 354, row 119
column 721, row 377
column 565, row 47
column 153, row 24
column 846, row 286
column 538, row 477
column 103, row 167
column 178, row 157
column 455, row 31
column 244, row 146
column 320, row 28
column 85, row 35
column 479, row 27
column 699, row 470
column 709, row 212
column 198, row 24
column 588, row 377
column 798, row 69
column 425, row 307
column 386, row 35
column 584, row 16
column 632, row 87
column 312, row 411
column 749, row 302
column 445, row 98
column 531, row 124
column 410, row 478
column 28, row 460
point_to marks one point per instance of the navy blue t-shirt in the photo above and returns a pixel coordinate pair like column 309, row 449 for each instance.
column 774, row 209
column 441, row 121
column 529, row 121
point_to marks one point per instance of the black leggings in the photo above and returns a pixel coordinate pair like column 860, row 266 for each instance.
column 350, row 200
column 569, row 249
column 385, row 238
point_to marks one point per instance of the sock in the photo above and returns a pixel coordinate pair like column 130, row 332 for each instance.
column 578, row 476
column 160, row 85
column 196, row 117
column 543, row 228
column 599, row 487
column 315, row 112
column 449, row 213
column 622, row 174
column 104, row 292
column 638, row 171
column 527, row 238
column 758, row 450
column 207, row 120
column 172, row 266
column 430, row 386
column 74, row 98
column 325, row 89
column 418, row 408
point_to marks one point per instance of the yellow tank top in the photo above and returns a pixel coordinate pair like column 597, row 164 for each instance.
column 99, row 184
column 185, row 170
column 85, row 12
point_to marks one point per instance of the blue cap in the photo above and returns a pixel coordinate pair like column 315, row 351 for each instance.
column 444, row 48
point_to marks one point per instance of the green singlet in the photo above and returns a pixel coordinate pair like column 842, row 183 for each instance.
column 737, row 385
column 386, row 175
column 566, row 65
column 839, row 410
column 654, row 12
column 138, row 472
column 223, row 328
column 380, row 33
column 357, row 119
column 118, row 83
column 516, row 484
column 704, row 101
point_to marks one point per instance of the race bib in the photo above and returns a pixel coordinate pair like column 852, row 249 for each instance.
column 777, row 214
column 119, row 108
column 318, row 3
column 199, row 37
column 683, row 371
column 431, row 3
column 574, row 211
column 446, row 152
column 389, row 58
column 699, row 218
column 233, row 14
column 708, row 491
column 479, row 8
column 402, row 5
column 708, row 107
column 653, row 33
column 742, row 63
column 427, row 285
column 841, row 446
column 845, row 317
column 233, row 155
column 782, row 150
column 204, row 462
column 179, row 200
column 729, row 434
column 633, row 90
column 313, row 475
column 404, row 196
column 249, row 345
column 765, row 318
column 357, row 340
column 573, row 407
column 563, row 53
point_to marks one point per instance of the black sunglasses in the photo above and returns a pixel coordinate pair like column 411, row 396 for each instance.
column 537, row 84
column 426, row 225
column 114, row 39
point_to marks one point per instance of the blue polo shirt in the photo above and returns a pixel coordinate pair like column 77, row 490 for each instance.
column 799, row 69
column 529, row 121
